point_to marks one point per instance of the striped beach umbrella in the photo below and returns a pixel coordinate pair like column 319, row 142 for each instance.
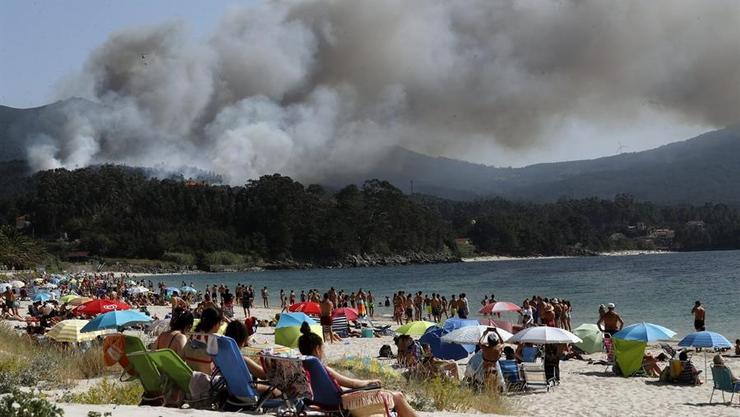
column 69, row 331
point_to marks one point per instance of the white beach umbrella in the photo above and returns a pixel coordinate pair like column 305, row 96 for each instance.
column 4, row 286
column 138, row 290
column 543, row 335
column 471, row 335
column 49, row 286
column 17, row 284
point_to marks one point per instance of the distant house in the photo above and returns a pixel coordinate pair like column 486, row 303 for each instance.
column 78, row 256
column 663, row 233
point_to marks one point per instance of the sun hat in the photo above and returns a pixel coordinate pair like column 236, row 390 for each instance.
column 610, row 305
column 492, row 339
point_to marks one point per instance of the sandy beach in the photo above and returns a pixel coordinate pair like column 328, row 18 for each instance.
column 585, row 389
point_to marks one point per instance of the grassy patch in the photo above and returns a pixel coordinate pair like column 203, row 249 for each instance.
column 24, row 404
column 107, row 392
column 24, row 362
column 430, row 394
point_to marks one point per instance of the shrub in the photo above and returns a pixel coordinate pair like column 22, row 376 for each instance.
column 108, row 392
column 23, row 404
column 186, row 259
column 224, row 258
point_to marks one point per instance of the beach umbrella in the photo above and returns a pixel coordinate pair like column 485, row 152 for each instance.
column 172, row 289
column 288, row 328
column 66, row 299
column 101, row 306
column 443, row 350
column 456, row 323
column 17, row 284
column 54, row 280
column 4, row 286
column 42, row 296
column 499, row 307
column 132, row 282
column 79, row 301
column 348, row 312
column 415, row 328
column 593, row 338
column 646, row 332
column 70, row 331
column 116, row 319
column 158, row 327
column 705, row 339
column 471, row 335
column 499, row 324
column 543, row 335
column 138, row 290
column 49, row 286
column 188, row 289
column 307, row 307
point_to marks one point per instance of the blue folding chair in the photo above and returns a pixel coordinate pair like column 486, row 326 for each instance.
column 513, row 381
column 241, row 386
column 529, row 354
column 327, row 395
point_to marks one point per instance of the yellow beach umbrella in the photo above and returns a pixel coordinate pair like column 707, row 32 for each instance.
column 415, row 328
column 288, row 336
column 69, row 297
column 79, row 301
column 69, row 331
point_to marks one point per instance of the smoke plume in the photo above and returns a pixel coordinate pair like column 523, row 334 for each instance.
column 314, row 88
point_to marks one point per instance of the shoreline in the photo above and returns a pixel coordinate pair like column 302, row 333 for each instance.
column 500, row 258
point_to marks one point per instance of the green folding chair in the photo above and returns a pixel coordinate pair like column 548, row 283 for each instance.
column 171, row 365
column 149, row 376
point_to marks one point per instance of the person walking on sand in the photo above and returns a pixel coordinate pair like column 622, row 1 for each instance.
column 611, row 320
column 327, row 308
column 265, row 300
column 699, row 315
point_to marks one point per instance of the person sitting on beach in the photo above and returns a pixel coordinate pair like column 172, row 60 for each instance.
column 737, row 347
column 611, row 320
column 176, row 338
column 482, row 367
column 194, row 353
column 720, row 363
column 310, row 344
column 409, row 351
column 689, row 373
column 650, row 365
column 238, row 331
column 431, row 366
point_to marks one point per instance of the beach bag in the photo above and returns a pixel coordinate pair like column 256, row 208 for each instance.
column 385, row 352
column 368, row 403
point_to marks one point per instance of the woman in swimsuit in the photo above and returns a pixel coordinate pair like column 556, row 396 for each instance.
column 176, row 337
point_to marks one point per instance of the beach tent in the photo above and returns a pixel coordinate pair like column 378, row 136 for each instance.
column 593, row 338
column 628, row 355
column 443, row 350
column 288, row 329
column 307, row 307
column 415, row 328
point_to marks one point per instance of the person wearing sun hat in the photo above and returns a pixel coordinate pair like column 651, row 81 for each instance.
column 611, row 320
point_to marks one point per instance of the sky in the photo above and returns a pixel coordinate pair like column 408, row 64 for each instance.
column 42, row 43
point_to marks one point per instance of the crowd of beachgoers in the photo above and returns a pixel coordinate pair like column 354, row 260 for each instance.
column 499, row 347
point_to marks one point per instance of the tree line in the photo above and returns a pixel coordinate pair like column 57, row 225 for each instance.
column 115, row 211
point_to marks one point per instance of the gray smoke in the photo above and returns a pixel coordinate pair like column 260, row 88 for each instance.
column 315, row 88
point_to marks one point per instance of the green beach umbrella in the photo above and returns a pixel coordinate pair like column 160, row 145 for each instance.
column 67, row 298
column 629, row 354
column 415, row 328
column 593, row 338
column 288, row 336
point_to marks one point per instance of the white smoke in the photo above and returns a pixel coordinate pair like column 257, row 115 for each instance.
column 318, row 87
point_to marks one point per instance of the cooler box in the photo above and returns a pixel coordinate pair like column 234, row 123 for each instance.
column 366, row 332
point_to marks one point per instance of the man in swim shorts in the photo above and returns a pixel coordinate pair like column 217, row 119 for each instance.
column 327, row 307
column 699, row 315
column 611, row 320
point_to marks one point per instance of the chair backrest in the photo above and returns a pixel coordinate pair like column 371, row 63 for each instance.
column 510, row 370
column 146, row 371
column 196, row 354
column 722, row 378
column 232, row 367
column 340, row 326
column 326, row 393
column 172, row 365
column 529, row 354
column 287, row 375
column 676, row 368
column 609, row 347
column 534, row 374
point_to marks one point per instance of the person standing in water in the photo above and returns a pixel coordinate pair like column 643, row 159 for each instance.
column 699, row 316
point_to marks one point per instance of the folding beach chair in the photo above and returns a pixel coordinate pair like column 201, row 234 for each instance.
column 230, row 365
column 326, row 393
column 513, row 381
column 149, row 377
column 535, row 377
column 340, row 326
column 288, row 376
column 121, row 349
column 723, row 381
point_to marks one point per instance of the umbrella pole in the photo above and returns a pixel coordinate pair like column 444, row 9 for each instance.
column 705, row 366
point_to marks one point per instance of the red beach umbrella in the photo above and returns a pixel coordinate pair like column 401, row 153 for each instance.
column 348, row 312
column 307, row 307
column 100, row 306
column 499, row 307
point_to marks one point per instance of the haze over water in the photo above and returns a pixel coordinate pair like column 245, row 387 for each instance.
column 655, row 288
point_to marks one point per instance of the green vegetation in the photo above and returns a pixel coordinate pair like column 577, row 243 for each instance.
column 25, row 363
column 18, row 250
column 428, row 394
column 107, row 392
column 26, row 404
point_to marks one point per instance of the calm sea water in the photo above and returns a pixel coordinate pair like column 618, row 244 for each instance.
column 655, row 288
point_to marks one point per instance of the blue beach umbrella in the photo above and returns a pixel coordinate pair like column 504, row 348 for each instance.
column 188, row 289
column 293, row 319
column 455, row 323
column 115, row 319
column 172, row 289
column 705, row 340
column 42, row 296
column 443, row 350
column 645, row 332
